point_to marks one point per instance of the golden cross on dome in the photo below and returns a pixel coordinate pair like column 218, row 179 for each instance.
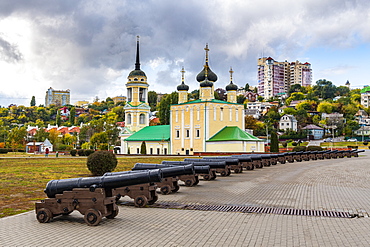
column 183, row 74
column 231, row 74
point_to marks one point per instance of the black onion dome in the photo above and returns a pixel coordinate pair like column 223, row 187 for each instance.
column 210, row 74
column 182, row 87
column 137, row 72
column 206, row 83
column 231, row 87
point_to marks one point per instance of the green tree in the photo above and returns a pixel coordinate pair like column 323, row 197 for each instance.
column 325, row 107
column 294, row 96
column 99, row 139
column 152, row 100
column 58, row 120
column 33, row 101
column 72, row 116
column 247, row 88
column 165, row 107
column 324, row 89
column 194, row 94
column 250, row 122
column 41, row 135
column 240, row 99
column 17, row 137
column 274, row 147
column 143, row 148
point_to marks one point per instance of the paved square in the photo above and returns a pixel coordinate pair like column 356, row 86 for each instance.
column 340, row 185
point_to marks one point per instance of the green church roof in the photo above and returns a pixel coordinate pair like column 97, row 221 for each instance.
column 152, row 133
column 232, row 133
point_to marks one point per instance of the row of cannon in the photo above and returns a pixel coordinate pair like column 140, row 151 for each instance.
column 96, row 197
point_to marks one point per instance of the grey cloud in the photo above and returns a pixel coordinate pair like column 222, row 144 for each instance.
column 9, row 52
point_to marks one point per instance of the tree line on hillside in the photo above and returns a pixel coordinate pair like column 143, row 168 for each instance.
column 99, row 129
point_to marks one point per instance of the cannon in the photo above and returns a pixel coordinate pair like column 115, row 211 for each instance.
column 256, row 159
column 297, row 156
column 213, row 167
column 274, row 159
column 355, row 152
column 234, row 163
column 289, row 156
column 143, row 194
column 91, row 196
column 312, row 155
column 266, row 159
column 188, row 179
column 223, row 168
column 170, row 179
column 243, row 162
column 281, row 158
column 305, row 155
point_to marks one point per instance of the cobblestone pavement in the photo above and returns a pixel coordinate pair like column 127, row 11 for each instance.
column 336, row 185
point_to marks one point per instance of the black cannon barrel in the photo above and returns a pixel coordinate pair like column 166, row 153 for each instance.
column 187, row 169
column 211, row 164
column 242, row 158
column 229, row 159
column 151, row 172
column 54, row 187
column 252, row 156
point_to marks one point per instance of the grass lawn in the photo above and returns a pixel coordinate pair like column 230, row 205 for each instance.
column 23, row 179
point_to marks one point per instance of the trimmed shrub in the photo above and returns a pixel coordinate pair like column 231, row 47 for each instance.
column 314, row 148
column 365, row 143
column 143, row 148
column 274, row 147
column 73, row 152
column 101, row 162
column 299, row 149
column 81, row 152
column 88, row 151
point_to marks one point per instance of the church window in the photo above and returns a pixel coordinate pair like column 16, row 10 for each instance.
column 129, row 118
column 142, row 118
column 177, row 133
column 151, row 150
column 158, row 151
column 197, row 133
column 165, row 151
column 142, row 80
column 187, row 133
column 135, row 79
column 137, row 150
column 221, row 114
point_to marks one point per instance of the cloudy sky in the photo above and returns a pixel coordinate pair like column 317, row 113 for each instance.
column 89, row 46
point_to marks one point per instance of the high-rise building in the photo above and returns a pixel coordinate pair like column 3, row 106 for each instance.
column 276, row 77
column 57, row 97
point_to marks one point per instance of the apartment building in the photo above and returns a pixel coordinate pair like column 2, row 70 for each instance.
column 276, row 77
column 57, row 97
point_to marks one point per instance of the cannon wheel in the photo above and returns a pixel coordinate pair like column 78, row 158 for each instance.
column 207, row 177
column 141, row 201
column 176, row 188
column 166, row 190
column 196, row 180
column 44, row 215
column 236, row 170
column 113, row 215
column 189, row 183
column 93, row 217
column 223, row 173
column 150, row 202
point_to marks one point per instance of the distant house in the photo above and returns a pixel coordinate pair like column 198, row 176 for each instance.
column 288, row 122
column 364, row 130
column 314, row 132
column 39, row 147
column 253, row 112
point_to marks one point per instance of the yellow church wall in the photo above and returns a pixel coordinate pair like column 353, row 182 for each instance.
column 193, row 123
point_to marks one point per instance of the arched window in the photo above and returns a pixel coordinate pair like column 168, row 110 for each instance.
column 142, row 118
column 129, row 118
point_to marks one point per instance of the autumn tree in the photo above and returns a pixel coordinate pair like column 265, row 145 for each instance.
column 250, row 122
column 165, row 107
